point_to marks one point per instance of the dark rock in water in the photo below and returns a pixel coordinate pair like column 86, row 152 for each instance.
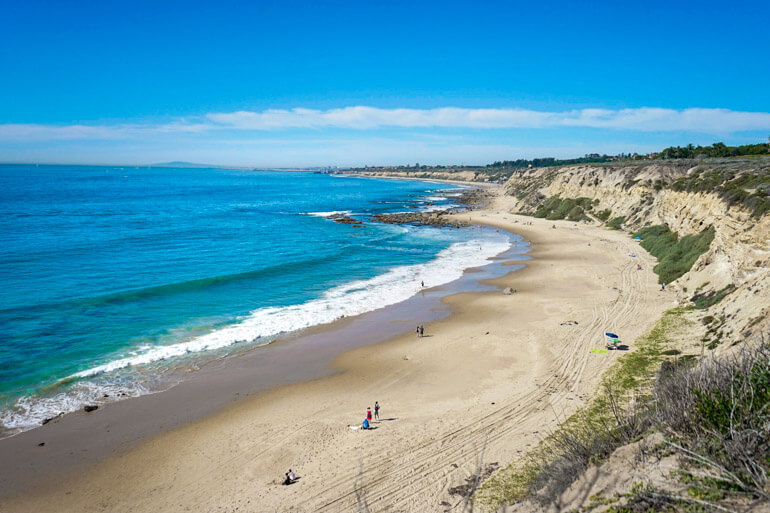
column 51, row 419
column 90, row 407
column 419, row 219
column 342, row 218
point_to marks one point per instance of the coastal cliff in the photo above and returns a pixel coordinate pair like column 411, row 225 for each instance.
column 687, row 196
column 647, row 458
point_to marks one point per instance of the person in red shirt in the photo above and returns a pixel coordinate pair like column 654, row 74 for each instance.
column 369, row 413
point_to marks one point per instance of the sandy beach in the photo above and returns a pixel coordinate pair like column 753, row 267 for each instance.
column 483, row 386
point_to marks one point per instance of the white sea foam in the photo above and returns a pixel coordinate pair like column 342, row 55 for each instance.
column 357, row 297
column 327, row 214
column 436, row 208
column 346, row 300
column 30, row 411
column 434, row 198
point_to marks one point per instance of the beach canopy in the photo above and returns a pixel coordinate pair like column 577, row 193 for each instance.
column 612, row 335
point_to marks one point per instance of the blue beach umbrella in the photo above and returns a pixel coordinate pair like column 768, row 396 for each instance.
column 611, row 335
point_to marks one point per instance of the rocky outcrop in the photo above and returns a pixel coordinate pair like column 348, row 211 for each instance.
column 419, row 219
column 345, row 219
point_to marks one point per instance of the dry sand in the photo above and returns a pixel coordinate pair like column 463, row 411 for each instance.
column 486, row 383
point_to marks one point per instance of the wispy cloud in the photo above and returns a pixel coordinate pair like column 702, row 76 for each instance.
column 362, row 118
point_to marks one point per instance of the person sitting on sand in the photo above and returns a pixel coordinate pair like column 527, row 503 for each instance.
column 287, row 481
column 366, row 423
column 292, row 475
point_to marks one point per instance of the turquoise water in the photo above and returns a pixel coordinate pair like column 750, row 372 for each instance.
column 111, row 276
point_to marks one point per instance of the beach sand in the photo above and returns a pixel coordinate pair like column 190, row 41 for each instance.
column 482, row 387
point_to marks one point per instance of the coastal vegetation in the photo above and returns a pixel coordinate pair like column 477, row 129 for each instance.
column 675, row 255
column 749, row 189
column 716, row 150
column 571, row 209
column 553, row 162
column 616, row 222
column 710, row 413
column 704, row 300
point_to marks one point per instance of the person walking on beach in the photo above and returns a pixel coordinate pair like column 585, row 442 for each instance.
column 417, row 331
column 376, row 410
column 369, row 413
column 422, row 331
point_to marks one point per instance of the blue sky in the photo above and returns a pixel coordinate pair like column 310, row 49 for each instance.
column 353, row 83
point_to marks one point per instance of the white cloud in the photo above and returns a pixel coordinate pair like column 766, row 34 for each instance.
column 361, row 118
column 643, row 119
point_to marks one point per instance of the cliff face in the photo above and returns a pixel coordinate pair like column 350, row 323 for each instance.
column 645, row 194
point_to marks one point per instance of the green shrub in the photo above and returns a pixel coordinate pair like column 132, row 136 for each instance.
column 716, row 414
column 548, row 206
column 557, row 208
column 576, row 214
column 616, row 223
column 706, row 299
column 675, row 256
column 561, row 211
column 604, row 215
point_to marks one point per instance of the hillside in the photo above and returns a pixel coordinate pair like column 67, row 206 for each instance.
column 707, row 222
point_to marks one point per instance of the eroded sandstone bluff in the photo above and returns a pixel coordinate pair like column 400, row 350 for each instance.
column 688, row 196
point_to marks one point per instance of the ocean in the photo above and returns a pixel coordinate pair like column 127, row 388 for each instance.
column 114, row 279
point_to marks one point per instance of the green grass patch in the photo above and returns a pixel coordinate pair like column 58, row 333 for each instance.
column 675, row 256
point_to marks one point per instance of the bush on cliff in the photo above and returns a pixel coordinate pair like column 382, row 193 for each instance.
column 557, row 208
column 675, row 256
column 616, row 222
